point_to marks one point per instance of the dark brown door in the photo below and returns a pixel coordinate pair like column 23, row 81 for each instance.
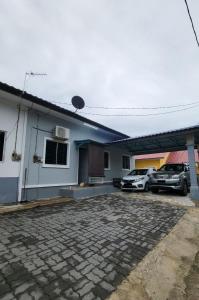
column 95, row 160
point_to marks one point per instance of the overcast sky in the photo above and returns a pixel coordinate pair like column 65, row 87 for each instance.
column 110, row 52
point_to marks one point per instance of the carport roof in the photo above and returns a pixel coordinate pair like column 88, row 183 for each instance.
column 168, row 141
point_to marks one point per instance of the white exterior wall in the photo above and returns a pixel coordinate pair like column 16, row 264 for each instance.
column 8, row 119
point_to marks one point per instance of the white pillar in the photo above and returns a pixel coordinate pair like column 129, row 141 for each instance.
column 132, row 161
column 192, row 165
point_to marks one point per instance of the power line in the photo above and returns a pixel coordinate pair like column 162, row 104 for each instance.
column 190, row 17
column 139, row 115
column 140, row 108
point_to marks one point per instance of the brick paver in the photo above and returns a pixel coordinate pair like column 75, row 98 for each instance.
column 78, row 250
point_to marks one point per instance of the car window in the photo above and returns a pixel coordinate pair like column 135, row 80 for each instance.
column 172, row 168
column 138, row 172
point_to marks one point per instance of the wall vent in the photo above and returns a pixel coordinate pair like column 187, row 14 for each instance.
column 93, row 180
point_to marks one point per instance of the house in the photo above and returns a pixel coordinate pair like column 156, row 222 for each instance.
column 182, row 157
column 44, row 147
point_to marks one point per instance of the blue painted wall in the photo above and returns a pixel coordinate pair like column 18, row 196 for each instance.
column 38, row 175
column 8, row 189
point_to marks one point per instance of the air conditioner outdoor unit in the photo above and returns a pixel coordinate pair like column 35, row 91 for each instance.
column 61, row 133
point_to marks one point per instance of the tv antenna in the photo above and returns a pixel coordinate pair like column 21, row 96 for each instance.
column 31, row 74
column 78, row 103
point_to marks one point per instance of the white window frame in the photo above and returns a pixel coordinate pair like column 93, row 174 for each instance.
column 52, row 165
column 4, row 147
column 109, row 161
column 129, row 162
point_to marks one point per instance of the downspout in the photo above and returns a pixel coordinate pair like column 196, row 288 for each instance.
column 21, row 168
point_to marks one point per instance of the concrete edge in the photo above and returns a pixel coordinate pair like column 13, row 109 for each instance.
column 33, row 204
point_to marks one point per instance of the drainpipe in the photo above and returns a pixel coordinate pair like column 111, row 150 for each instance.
column 192, row 165
column 21, row 167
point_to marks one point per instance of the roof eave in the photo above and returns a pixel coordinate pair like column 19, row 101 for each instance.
column 39, row 101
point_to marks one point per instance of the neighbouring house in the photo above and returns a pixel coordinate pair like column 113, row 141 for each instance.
column 182, row 157
column 44, row 147
column 151, row 160
column 158, row 159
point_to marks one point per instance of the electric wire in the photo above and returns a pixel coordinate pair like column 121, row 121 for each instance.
column 139, row 115
column 192, row 24
column 133, row 108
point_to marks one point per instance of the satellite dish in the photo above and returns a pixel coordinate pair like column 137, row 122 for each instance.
column 78, row 102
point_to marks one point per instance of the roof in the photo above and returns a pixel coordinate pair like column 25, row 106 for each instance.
column 80, row 143
column 17, row 92
column 180, row 157
column 151, row 156
column 167, row 141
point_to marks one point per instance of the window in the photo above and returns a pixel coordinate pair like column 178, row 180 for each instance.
column 106, row 160
column 173, row 168
column 2, row 142
column 126, row 162
column 56, row 153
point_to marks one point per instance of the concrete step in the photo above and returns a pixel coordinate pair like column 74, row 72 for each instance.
column 78, row 193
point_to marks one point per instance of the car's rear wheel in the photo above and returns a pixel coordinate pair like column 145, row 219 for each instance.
column 154, row 191
column 184, row 190
column 146, row 188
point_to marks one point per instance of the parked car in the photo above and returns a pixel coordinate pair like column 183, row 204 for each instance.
column 171, row 177
column 137, row 179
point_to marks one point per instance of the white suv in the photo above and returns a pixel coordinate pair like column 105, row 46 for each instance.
column 137, row 179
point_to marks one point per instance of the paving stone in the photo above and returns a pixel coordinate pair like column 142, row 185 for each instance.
column 99, row 272
column 111, row 276
column 76, row 275
column 86, row 289
column 78, row 285
column 89, row 296
column 42, row 280
column 37, row 294
column 67, row 253
column 78, row 258
column 107, row 286
column 25, row 296
column 94, row 278
column 22, row 288
column 108, row 268
column 87, row 269
column 71, row 295
column 59, row 266
column 82, row 265
column 8, row 296
column 4, row 288
column 80, row 250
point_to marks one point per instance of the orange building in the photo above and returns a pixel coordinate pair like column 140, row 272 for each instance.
column 159, row 159
column 151, row 160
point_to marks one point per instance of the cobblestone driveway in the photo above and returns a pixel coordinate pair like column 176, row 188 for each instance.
column 80, row 250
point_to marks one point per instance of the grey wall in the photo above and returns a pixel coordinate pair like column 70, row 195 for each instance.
column 40, row 193
column 8, row 189
column 116, row 163
column 38, row 175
